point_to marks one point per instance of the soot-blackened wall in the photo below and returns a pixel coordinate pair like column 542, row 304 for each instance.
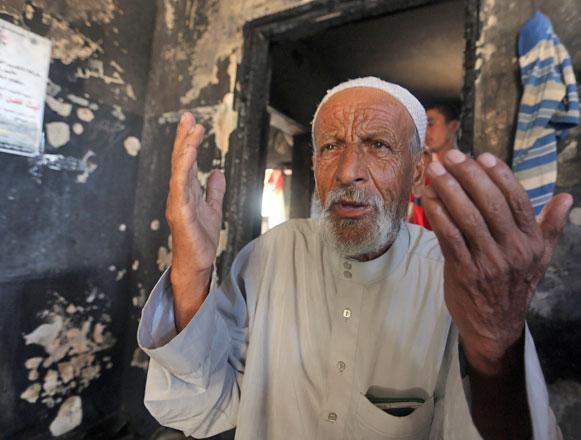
column 66, row 234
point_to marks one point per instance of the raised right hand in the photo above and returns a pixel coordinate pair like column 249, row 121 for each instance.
column 194, row 219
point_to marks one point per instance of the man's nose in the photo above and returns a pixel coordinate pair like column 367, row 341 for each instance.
column 352, row 168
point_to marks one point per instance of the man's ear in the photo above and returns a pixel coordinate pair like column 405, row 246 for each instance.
column 419, row 171
column 454, row 125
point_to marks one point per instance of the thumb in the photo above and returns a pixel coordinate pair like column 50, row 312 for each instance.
column 215, row 189
column 552, row 219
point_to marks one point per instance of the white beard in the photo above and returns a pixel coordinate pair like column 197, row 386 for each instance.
column 381, row 230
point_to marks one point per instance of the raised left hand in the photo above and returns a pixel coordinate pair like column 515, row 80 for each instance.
column 495, row 251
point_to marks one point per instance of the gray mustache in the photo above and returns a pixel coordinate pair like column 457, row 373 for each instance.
column 355, row 195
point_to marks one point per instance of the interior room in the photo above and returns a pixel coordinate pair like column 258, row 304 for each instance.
column 103, row 337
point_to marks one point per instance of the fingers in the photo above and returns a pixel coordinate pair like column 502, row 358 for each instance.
column 553, row 218
column 514, row 193
column 462, row 210
column 184, row 179
column 484, row 193
column 450, row 238
column 215, row 189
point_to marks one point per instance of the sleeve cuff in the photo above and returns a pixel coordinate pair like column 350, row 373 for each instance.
column 542, row 417
column 186, row 354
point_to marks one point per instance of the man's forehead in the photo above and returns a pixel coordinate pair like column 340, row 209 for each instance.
column 361, row 103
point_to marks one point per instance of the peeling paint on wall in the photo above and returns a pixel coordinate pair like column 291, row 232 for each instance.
column 164, row 256
column 139, row 359
column 85, row 114
column 73, row 338
column 223, row 37
column 575, row 216
column 89, row 13
column 132, row 145
column 69, row 416
column 58, row 133
column 154, row 225
column 169, row 14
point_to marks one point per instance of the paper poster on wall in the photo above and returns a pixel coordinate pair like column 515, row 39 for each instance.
column 24, row 64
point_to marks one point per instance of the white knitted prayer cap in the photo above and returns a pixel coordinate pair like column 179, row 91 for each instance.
column 409, row 101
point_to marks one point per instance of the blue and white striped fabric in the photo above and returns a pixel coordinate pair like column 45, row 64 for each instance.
column 549, row 106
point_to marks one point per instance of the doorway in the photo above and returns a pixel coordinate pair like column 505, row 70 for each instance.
column 289, row 61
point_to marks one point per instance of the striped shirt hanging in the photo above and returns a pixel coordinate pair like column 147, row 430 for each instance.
column 549, row 106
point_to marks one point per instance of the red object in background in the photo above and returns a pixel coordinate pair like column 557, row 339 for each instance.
column 419, row 215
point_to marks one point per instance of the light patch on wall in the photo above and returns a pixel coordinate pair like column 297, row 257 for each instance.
column 139, row 359
column 135, row 265
column 73, row 337
column 78, row 128
column 489, row 22
column 85, row 114
column 69, row 416
column 58, row 133
column 117, row 112
column 224, row 122
column 223, row 240
column 120, row 274
column 164, row 256
column 132, row 145
column 69, row 45
column 59, row 106
column 575, row 216
column 122, row 227
column 223, row 37
column 154, row 225
column 169, row 14
column 89, row 166
column 139, row 299
column 95, row 11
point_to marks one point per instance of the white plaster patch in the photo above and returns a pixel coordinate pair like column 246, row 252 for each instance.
column 223, row 240
column 575, row 216
column 224, row 122
column 89, row 166
column 117, row 112
column 68, row 44
column 122, row 227
column 85, row 114
column 139, row 359
column 69, row 416
column 78, row 100
column 120, row 274
column 58, row 133
column 73, row 337
column 135, row 265
column 154, row 225
column 31, row 393
column 78, row 128
column 164, row 255
column 139, row 300
column 568, row 153
column 59, row 106
column 132, row 146
column 170, row 14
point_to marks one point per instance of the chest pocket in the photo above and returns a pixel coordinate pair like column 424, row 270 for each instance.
column 371, row 423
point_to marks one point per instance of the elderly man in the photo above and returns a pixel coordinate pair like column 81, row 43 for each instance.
column 357, row 325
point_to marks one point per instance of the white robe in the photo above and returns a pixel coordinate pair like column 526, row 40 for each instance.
column 292, row 342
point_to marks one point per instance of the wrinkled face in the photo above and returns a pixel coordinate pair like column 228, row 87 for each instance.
column 439, row 133
column 363, row 169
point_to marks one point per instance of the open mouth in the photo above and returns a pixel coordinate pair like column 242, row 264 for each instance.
column 350, row 209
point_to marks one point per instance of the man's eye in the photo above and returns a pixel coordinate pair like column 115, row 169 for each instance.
column 379, row 145
column 328, row 147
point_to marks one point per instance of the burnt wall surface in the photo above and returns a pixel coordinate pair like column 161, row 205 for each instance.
column 555, row 315
column 65, row 234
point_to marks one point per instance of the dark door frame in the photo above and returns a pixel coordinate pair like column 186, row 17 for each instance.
column 247, row 154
